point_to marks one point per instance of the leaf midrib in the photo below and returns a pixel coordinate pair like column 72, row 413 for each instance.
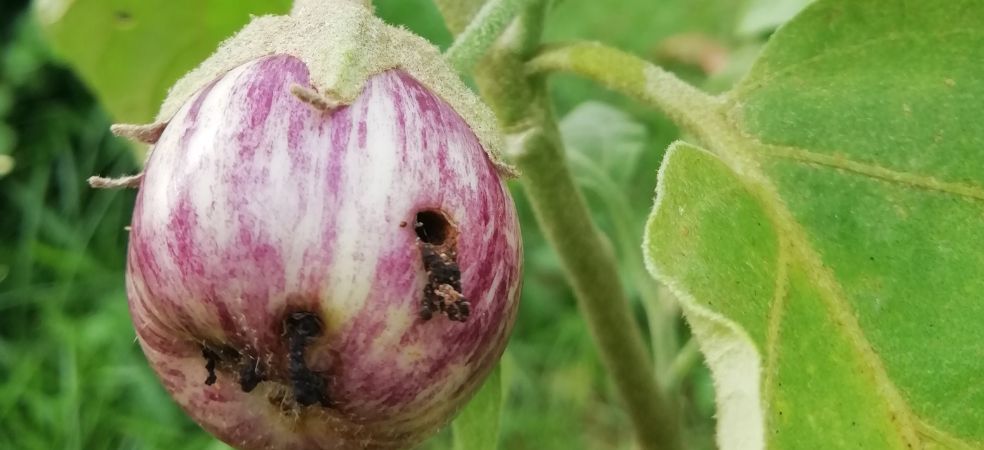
column 873, row 171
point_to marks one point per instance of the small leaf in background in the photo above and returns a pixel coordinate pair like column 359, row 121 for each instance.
column 607, row 136
column 130, row 52
column 764, row 16
column 604, row 148
column 477, row 427
column 825, row 245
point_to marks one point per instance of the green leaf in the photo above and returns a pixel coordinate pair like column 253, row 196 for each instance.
column 477, row 427
column 604, row 150
column 763, row 16
column 608, row 137
column 131, row 51
column 825, row 245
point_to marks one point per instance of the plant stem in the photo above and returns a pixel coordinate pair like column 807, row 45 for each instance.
column 661, row 309
column 481, row 32
column 687, row 106
column 523, row 108
column 591, row 268
column 633, row 76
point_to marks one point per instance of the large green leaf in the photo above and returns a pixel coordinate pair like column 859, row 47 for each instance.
column 131, row 51
column 825, row 245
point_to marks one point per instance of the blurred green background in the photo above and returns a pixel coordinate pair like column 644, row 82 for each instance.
column 71, row 373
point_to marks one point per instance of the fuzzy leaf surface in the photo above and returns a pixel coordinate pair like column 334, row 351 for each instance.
column 824, row 242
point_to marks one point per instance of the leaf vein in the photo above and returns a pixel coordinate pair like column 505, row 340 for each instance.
column 776, row 310
column 931, row 433
column 842, row 315
column 917, row 181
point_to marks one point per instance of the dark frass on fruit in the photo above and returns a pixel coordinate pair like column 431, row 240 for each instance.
column 437, row 248
column 309, row 388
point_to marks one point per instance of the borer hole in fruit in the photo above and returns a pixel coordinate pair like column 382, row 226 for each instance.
column 300, row 328
column 438, row 249
column 432, row 227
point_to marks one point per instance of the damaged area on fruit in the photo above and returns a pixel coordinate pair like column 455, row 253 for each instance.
column 306, row 386
column 309, row 387
column 438, row 249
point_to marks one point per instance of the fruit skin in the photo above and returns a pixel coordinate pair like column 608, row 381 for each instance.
column 254, row 206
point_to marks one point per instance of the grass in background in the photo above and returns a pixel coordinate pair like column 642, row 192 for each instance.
column 71, row 374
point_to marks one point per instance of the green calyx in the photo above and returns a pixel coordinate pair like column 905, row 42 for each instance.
column 343, row 44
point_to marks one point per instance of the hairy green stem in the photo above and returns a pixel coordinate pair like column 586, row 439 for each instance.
column 661, row 311
column 591, row 268
column 623, row 72
column 481, row 32
column 523, row 108
column 633, row 76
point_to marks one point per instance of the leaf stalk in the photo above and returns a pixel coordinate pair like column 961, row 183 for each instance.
column 475, row 40
column 633, row 76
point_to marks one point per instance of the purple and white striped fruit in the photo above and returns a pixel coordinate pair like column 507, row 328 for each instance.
column 306, row 273
column 321, row 279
